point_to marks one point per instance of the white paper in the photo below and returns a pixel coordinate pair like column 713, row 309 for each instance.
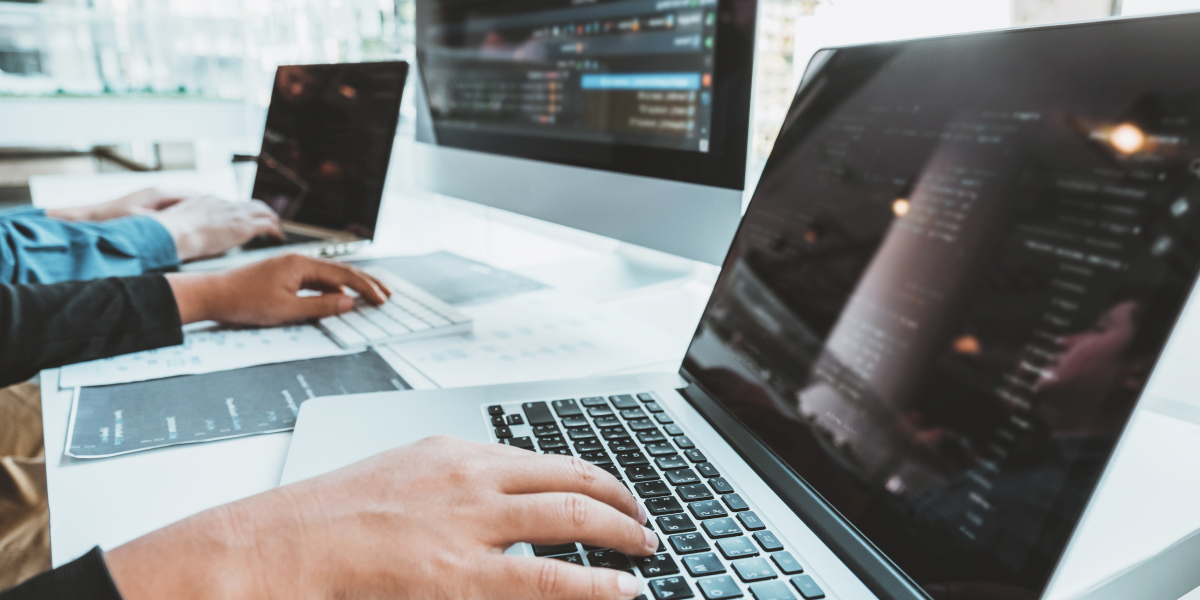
column 539, row 336
column 205, row 349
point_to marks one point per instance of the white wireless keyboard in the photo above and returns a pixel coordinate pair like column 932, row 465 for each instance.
column 410, row 314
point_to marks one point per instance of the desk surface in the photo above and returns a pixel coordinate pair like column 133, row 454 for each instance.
column 1144, row 503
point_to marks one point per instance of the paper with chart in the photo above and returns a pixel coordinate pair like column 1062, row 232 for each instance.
column 205, row 349
column 541, row 335
column 119, row 419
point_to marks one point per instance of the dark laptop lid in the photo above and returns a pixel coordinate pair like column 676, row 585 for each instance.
column 960, row 265
column 328, row 141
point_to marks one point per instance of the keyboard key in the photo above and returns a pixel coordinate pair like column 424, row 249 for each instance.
column 738, row 547
column 524, row 442
column 703, row 564
column 714, row 588
column 550, row 550
column 566, row 408
column 608, row 559
column 682, row 476
column 673, row 430
column 653, row 407
column 671, row 588
column 553, row 442
column 641, row 424
column 656, row 565
column 694, row 492
column 771, row 590
column 632, row 459
column 787, row 563
column 546, row 430
column 514, row 419
column 574, row 559
column 607, row 421
column 663, row 506
column 599, row 411
column 768, row 541
column 721, row 528
column 613, row 433
column 623, row 401
column 708, row 509
column 537, row 413
column 652, row 489
column 693, row 455
column 679, row 523
column 668, row 463
column 719, row 485
column 641, row 473
column 807, row 587
column 583, row 433
column 498, row 420
column 663, row 418
column 558, row 451
column 708, row 470
column 651, row 437
column 646, row 397
column 735, row 502
column 661, row 450
column 622, row 445
column 612, row 470
column 598, row 458
column 751, row 521
column 495, row 409
column 754, row 569
column 593, row 401
column 689, row 543
column 685, row 443
column 570, row 422
column 633, row 413
column 503, row 432
column 591, row 445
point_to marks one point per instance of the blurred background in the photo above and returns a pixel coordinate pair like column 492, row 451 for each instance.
column 183, row 84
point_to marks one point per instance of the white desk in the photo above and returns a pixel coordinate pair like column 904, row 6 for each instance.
column 1146, row 502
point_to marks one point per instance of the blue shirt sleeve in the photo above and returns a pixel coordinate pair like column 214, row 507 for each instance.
column 38, row 249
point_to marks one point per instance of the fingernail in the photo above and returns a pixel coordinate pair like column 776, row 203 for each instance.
column 651, row 539
column 628, row 584
column 345, row 303
column 642, row 516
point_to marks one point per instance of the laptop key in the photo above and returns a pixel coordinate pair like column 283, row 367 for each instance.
column 714, row 588
column 703, row 564
column 503, row 432
column 652, row 489
column 671, row 588
column 719, row 485
column 524, row 442
column 653, row 407
column 593, row 401
column 599, row 411
column 708, row 470
column 612, row 470
column 641, row 424
column 537, row 413
column 498, row 421
column 566, row 408
column 663, row 418
column 735, row 502
column 574, row 559
column 613, row 433
column 754, row 569
column 514, row 419
column 668, row 463
column 553, row 442
column 787, row 563
column 597, row 458
column 591, row 445
column 546, row 430
column 656, row 565
column 495, row 409
column 768, row 541
column 808, row 588
column 552, row 549
column 679, row 523
column 646, row 397
column 608, row 559
column 633, row 413
column 660, row 450
column 623, row 401
column 721, row 528
column 673, row 430
column 641, row 473
column 582, row 433
column 558, row 451
column 737, row 547
column 682, row 476
column 622, row 445
column 685, row 443
column 651, row 437
column 607, row 421
column 693, row 454
column 663, row 506
column 689, row 543
column 751, row 521
column 771, row 590
column 707, row 509
column 570, row 422
column 693, row 492
column 631, row 459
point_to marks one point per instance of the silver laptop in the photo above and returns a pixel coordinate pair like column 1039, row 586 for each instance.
column 954, row 280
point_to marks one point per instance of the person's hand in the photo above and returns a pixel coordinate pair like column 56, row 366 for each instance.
column 428, row 521
column 267, row 292
column 208, row 226
column 143, row 202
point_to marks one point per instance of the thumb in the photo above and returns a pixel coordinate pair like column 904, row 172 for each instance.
column 325, row 305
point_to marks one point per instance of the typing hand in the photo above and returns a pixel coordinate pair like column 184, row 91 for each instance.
column 208, row 226
column 143, row 202
column 266, row 293
column 427, row 521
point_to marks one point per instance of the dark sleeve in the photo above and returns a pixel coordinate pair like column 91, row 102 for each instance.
column 87, row 578
column 45, row 326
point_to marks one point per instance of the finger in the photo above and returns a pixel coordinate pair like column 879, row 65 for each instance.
column 259, row 207
column 560, row 518
column 525, row 578
column 320, row 272
column 266, row 226
column 542, row 473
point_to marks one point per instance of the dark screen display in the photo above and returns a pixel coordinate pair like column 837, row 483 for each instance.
column 327, row 143
column 957, row 272
column 596, row 84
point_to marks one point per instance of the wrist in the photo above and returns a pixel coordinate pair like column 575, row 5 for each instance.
column 72, row 213
column 196, row 295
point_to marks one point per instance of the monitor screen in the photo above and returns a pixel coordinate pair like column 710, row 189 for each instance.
column 327, row 143
column 956, row 274
column 648, row 87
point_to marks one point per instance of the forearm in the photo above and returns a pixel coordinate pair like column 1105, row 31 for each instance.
column 37, row 249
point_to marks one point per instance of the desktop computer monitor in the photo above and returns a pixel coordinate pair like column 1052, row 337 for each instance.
column 625, row 118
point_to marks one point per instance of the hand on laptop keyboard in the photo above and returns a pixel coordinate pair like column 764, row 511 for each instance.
column 429, row 520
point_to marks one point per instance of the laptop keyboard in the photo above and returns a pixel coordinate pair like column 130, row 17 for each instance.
column 712, row 544
column 410, row 314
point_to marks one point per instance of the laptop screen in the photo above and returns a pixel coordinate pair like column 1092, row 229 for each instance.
column 327, row 143
column 959, row 267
